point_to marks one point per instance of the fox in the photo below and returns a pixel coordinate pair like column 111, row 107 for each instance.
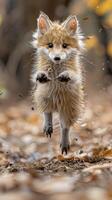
column 58, row 76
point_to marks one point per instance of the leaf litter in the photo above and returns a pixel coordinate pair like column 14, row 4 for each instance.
column 31, row 165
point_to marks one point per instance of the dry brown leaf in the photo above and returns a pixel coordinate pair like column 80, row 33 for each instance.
column 33, row 119
column 62, row 158
column 85, row 18
column 102, row 152
column 100, row 166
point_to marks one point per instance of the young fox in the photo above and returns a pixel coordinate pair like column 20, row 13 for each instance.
column 59, row 75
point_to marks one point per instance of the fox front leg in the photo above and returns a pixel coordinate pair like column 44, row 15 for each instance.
column 48, row 128
column 42, row 77
column 69, row 75
column 64, row 77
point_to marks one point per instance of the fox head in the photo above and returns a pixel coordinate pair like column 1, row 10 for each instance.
column 57, row 41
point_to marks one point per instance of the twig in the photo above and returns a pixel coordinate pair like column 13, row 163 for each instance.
column 105, row 165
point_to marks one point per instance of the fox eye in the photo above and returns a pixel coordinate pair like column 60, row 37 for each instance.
column 65, row 45
column 50, row 45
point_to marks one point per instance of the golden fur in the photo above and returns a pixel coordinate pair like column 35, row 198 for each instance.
column 66, row 98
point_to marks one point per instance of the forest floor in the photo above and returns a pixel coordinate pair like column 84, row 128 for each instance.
column 32, row 167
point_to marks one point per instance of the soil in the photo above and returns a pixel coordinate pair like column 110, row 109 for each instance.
column 32, row 167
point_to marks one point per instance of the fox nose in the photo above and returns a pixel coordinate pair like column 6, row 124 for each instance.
column 57, row 58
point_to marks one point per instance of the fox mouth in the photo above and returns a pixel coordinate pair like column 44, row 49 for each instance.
column 57, row 59
column 57, row 62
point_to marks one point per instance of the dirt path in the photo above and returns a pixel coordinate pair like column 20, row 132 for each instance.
column 31, row 166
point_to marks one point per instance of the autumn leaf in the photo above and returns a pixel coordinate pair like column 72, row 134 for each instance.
column 102, row 152
column 91, row 42
column 104, row 7
column 62, row 158
column 100, row 7
column 92, row 3
column 108, row 20
column 85, row 18
column 109, row 48
column 33, row 119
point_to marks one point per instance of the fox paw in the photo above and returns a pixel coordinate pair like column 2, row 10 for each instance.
column 63, row 77
column 64, row 148
column 48, row 131
column 42, row 77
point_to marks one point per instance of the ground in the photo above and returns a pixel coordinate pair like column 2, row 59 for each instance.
column 32, row 167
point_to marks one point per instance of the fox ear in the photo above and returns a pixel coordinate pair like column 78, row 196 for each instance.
column 70, row 24
column 43, row 23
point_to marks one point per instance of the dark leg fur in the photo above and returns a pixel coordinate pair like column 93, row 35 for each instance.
column 42, row 77
column 48, row 128
column 64, row 144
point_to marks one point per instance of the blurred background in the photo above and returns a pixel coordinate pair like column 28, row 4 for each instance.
column 17, row 23
column 31, row 165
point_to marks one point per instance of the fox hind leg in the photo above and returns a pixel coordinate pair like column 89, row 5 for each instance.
column 64, row 143
column 48, row 127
